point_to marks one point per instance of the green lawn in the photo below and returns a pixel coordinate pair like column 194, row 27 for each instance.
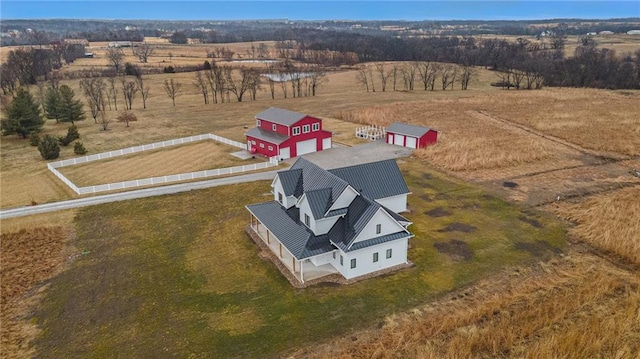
column 177, row 276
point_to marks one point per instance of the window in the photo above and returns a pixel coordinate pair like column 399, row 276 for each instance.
column 258, row 123
column 353, row 263
column 388, row 253
column 316, row 126
column 279, row 197
column 296, row 130
column 378, row 228
column 305, row 129
column 375, row 257
column 341, row 260
column 253, row 142
column 334, row 255
column 262, row 145
column 270, row 148
column 274, row 127
column 307, row 220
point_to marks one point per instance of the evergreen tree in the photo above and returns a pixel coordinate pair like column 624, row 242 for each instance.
column 22, row 115
column 70, row 109
column 49, row 148
column 52, row 104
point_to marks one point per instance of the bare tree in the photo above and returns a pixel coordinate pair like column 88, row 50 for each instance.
column 200, row 82
column 93, row 89
column 317, row 77
column 129, row 91
column 172, row 88
column 143, row 52
column 505, row 79
column 409, row 75
column 144, row 90
column 263, row 50
column 255, row 82
column 215, row 81
column 517, row 76
column 271, row 71
column 237, row 86
column 466, row 75
column 372, row 82
column 112, row 93
column 115, row 56
column 448, row 76
column 384, row 75
column 104, row 120
column 126, row 116
column 428, row 73
column 362, row 77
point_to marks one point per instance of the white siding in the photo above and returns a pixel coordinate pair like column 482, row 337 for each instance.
column 322, row 259
column 324, row 225
column 364, row 258
column 345, row 198
column 303, row 204
column 276, row 186
column 397, row 203
column 387, row 225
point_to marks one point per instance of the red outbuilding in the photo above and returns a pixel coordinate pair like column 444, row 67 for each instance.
column 411, row 136
column 286, row 134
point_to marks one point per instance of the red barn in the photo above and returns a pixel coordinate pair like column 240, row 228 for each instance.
column 286, row 134
column 411, row 136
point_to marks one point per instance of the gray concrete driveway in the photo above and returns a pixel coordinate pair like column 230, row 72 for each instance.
column 348, row 156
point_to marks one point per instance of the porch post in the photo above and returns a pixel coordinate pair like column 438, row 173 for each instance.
column 293, row 261
column 268, row 241
column 280, row 249
column 302, row 271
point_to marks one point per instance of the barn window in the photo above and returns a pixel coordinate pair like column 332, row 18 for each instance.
column 274, row 127
column 389, row 252
column 305, row 129
column 353, row 263
column 270, row 148
column 296, row 130
column 316, row 126
column 253, row 142
column 375, row 257
column 378, row 228
column 258, row 123
column 262, row 145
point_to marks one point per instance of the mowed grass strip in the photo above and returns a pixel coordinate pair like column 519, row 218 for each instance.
column 192, row 157
column 177, row 276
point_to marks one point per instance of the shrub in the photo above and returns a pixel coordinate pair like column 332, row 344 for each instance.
column 131, row 69
column 72, row 135
column 79, row 149
column 34, row 139
column 169, row 70
column 49, row 148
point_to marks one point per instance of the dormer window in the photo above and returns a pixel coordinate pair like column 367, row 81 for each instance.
column 316, row 127
column 306, row 129
column 296, row 130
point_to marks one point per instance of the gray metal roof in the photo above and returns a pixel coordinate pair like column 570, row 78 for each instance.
column 291, row 181
column 346, row 229
column 280, row 116
column 409, row 130
column 379, row 240
column 374, row 180
column 295, row 236
column 314, row 178
column 269, row 136
column 319, row 201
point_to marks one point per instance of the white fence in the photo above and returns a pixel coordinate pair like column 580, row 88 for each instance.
column 53, row 166
column 372, row 133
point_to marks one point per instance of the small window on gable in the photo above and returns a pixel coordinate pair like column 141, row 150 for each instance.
column 296, row 130
column 262, row 145
column 375, row 257
column 307, row 220
column 274, row 127
column 316, row 126
column 389, row 253
column 378, row 228
column 353, row 263
column 341, row 260
column 279, row 197
column 306, row 129
column 334, row 255
column 258, row 123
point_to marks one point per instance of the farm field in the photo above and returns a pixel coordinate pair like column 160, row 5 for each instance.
column 198, row 156
column 180, row 270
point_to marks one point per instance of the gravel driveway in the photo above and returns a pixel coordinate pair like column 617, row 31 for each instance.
column 348, row 156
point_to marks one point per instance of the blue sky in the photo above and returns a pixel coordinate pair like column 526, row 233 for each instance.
column 318, row 10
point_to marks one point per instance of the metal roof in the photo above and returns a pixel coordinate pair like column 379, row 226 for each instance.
column 319, row 201
column 291, row 181
column 296, row 237
column 374, row 180
column 314, row 178
column 280, row 116
column 269, row 136
column 409, row 130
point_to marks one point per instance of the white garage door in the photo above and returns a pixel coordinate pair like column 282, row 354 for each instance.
column 411, row 142
column 398, row 140
column 304, row 147
column 390, row 138
column 326, row 143
column 285, row 153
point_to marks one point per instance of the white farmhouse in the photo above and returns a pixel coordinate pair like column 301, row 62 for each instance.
column 342, row 221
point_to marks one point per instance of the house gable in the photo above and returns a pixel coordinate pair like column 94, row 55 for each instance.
column 387, row 226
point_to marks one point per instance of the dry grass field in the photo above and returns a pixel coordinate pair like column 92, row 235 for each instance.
column 198, row 156
column 579, row 306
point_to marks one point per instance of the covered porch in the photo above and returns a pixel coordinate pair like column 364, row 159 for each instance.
column 303, row 270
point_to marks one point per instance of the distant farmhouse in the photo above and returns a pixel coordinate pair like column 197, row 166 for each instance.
column 633, row 32
column 342, row 222
column 285, row 134
column 83, row 42
column 120, row 44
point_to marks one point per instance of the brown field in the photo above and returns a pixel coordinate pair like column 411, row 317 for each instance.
column 198, row 156
column 579, row 306
column 610, row 222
